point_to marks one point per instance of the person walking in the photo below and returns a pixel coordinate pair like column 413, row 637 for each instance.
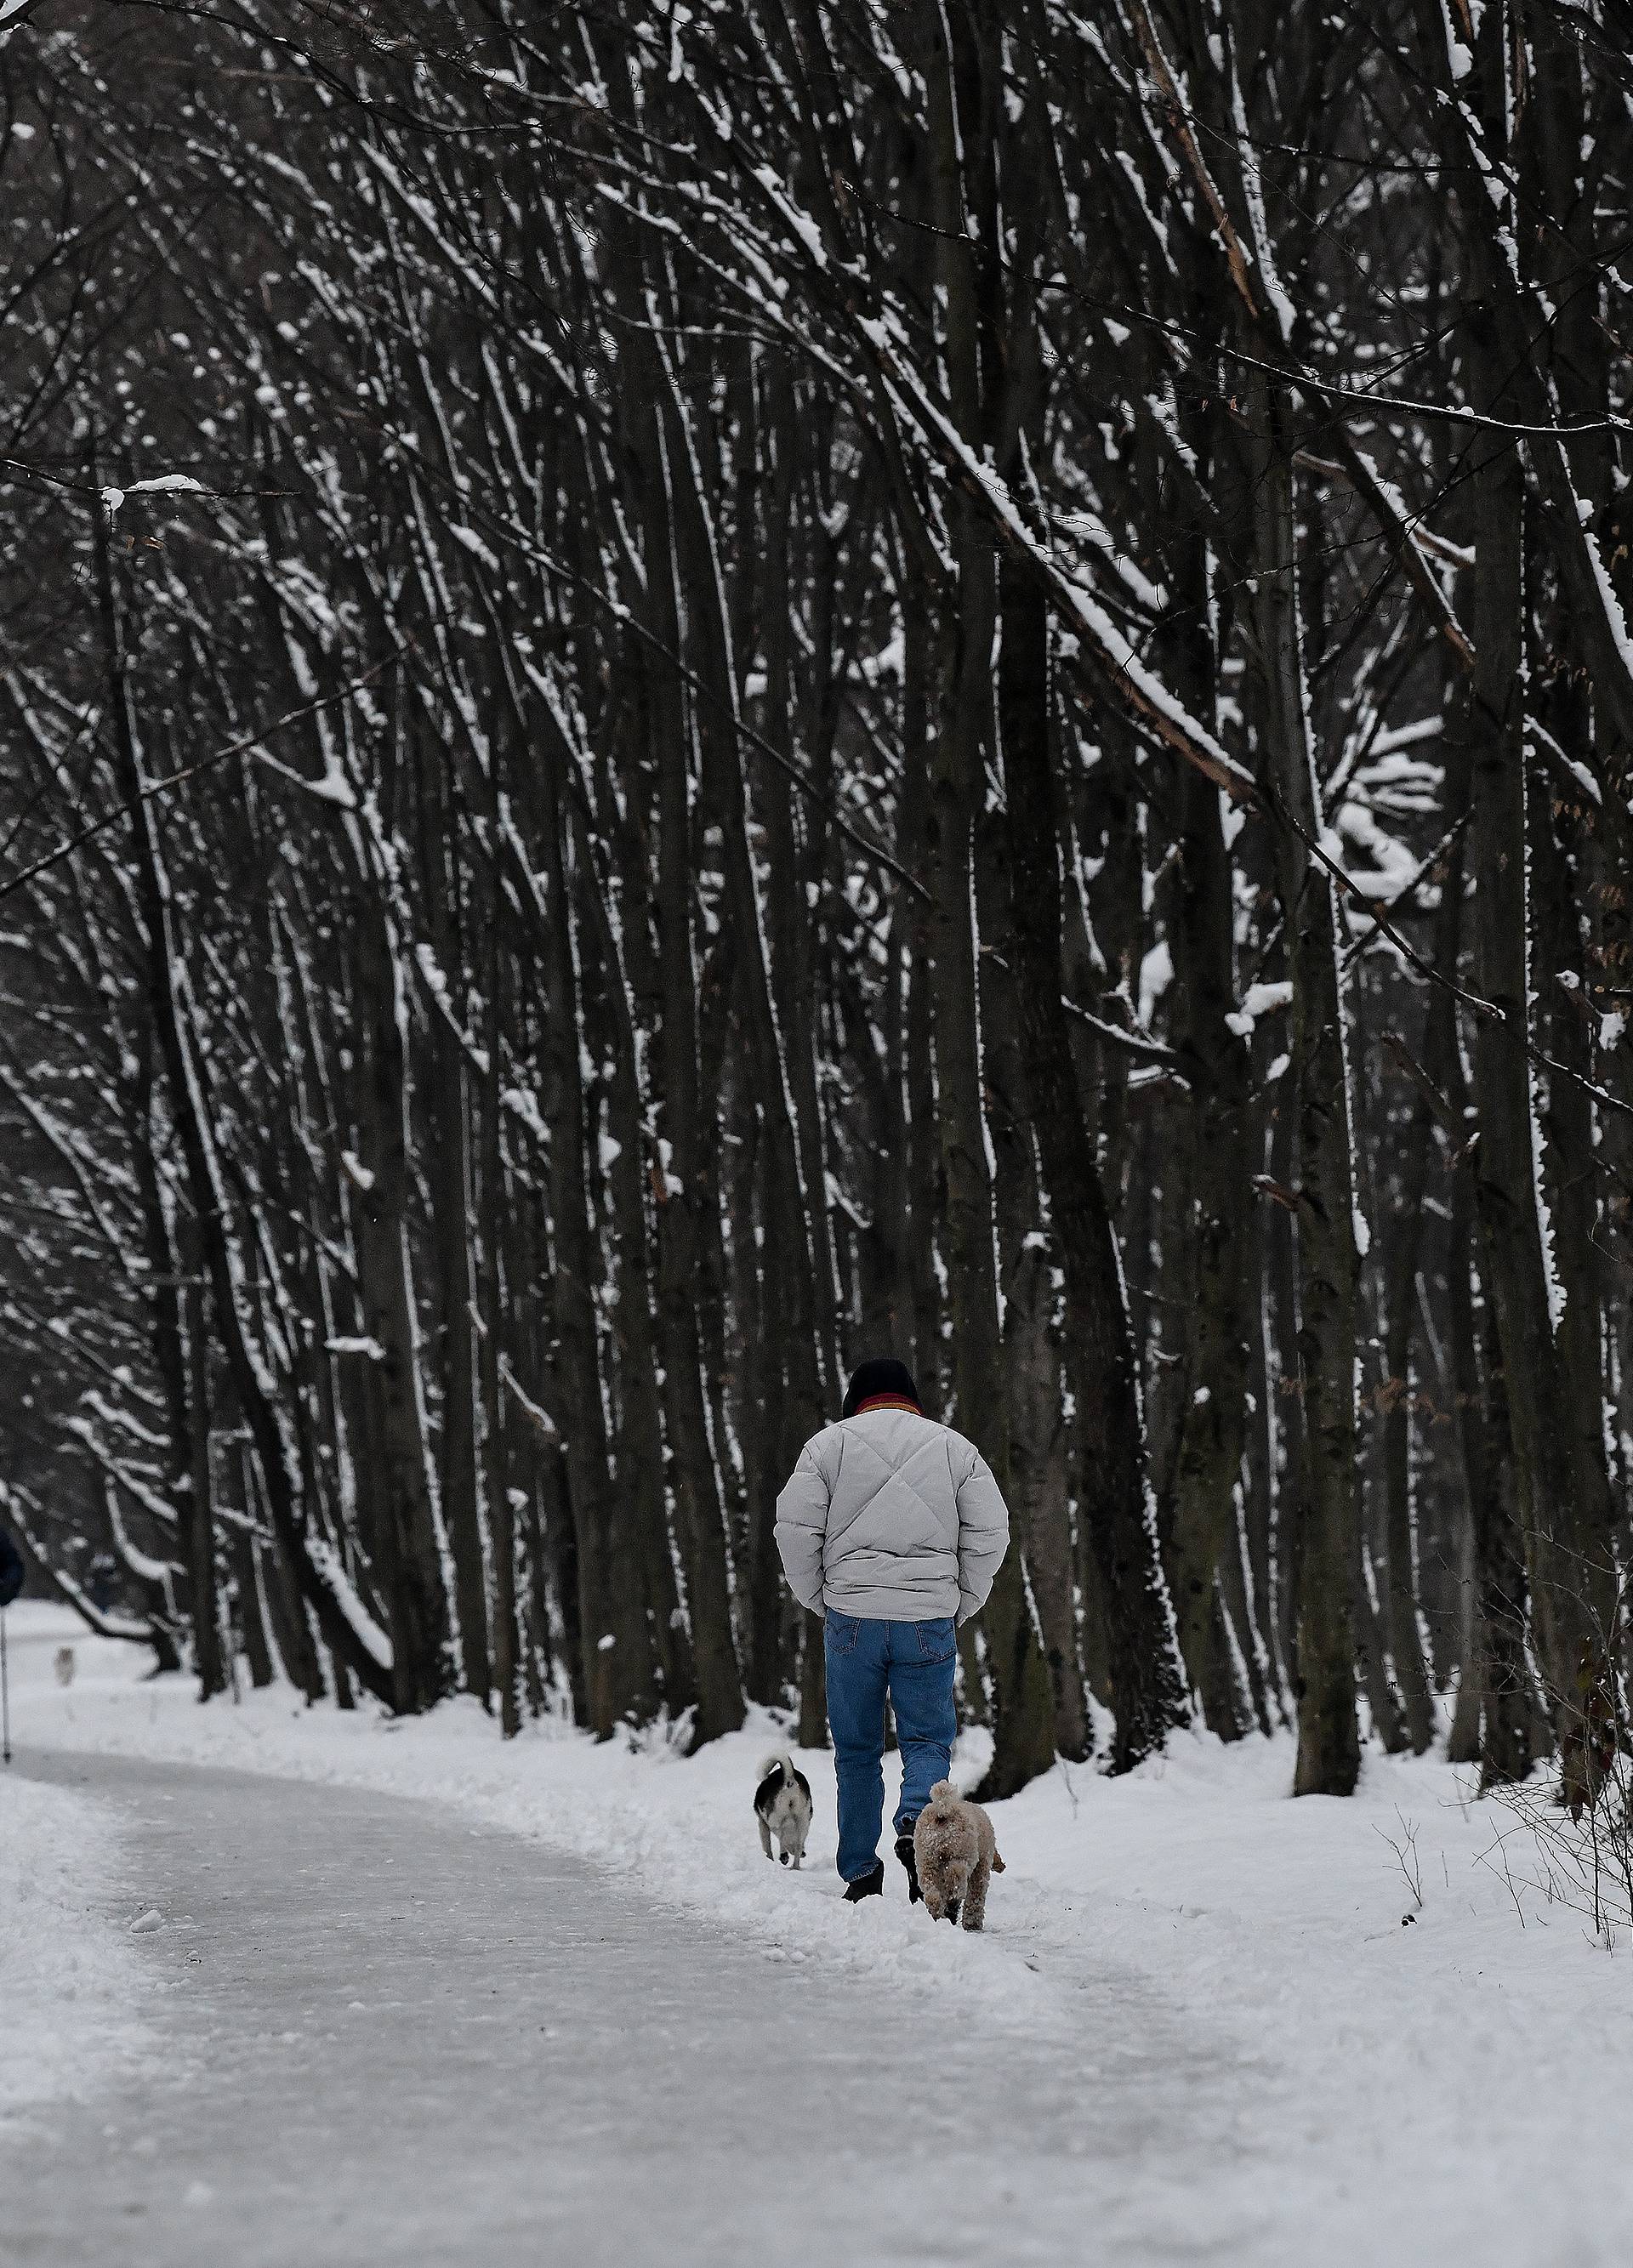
column 893, row 1528
column 12, row 1574
column 13, row 1571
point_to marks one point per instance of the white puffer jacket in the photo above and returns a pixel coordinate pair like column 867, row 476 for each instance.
column 893, row 1518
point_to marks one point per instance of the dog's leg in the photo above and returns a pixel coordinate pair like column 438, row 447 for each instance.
column 975, row 1900
column 764, row 1836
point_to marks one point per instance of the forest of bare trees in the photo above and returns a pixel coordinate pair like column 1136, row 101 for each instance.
column 691, row 688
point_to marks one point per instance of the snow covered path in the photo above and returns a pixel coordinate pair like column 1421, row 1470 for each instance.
column 597, row 2026
column 390, row 2035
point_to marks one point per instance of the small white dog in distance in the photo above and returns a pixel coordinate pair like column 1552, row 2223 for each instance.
column 782, row 1805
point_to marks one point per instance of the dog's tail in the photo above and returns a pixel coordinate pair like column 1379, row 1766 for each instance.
column 779, row 1761
column 943, row 1800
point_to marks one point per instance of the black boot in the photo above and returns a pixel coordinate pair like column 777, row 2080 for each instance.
column 870, row 1885
column 909, row 1858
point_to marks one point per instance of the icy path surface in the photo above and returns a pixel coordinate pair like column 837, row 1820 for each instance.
column 1207, row 2024
column 69, row 1985
column 388, row 2036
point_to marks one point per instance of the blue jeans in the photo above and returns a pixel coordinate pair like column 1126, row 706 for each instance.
column 915, row 1662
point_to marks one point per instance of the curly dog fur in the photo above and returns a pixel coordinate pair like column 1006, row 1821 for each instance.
column 957, row 1853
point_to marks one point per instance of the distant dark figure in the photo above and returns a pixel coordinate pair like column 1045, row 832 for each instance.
column 12, row 1571
column 100, row 1582
column 894, row 1526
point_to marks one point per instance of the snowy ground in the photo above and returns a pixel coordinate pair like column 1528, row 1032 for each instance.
column 70, row 1988
column 1197, row 2024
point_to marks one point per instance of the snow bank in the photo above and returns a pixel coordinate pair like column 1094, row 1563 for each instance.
column 1408, row 2082
column 68, row 1983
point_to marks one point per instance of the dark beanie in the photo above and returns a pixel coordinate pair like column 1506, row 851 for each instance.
column 881, row 1375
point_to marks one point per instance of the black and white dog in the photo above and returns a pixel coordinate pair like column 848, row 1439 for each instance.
column 782, row 1805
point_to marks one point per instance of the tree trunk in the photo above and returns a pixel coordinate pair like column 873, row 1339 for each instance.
column 409, row 1559
column 1148, row 1692
column 1562, row 1512
column 246, row 1568
column 1207, row 1465
column 618, row 988
column 694, row 1473
column 1405, row 1649
column 1329, row 1754
column 201, row 1540
column 495, row 1458
column 449, row 1171
column 1041, row 1484
column 616, row 1640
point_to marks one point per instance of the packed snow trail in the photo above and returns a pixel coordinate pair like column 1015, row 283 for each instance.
column 387, row 2036
column 1206, row 2024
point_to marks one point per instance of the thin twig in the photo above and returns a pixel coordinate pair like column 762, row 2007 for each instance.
column 66, row 848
